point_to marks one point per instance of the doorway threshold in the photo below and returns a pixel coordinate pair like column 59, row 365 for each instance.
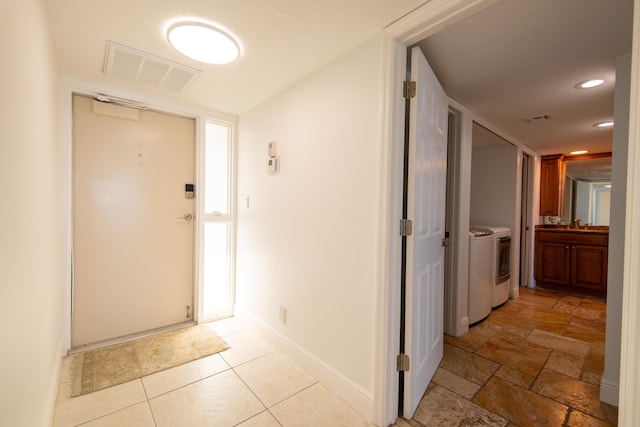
column 127, row 338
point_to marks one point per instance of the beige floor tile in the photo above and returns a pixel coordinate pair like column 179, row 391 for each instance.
column 227, row 326
column 559, row 342
column 589, row 335
column 514, row 376
column 440, row 407
column 244, row 347
column 134, row 416
column 471, row 340
column 173, row 378
column 514, row 353
column 565, row 363
column 77, row 410
column 316, row 407
column 578, row 419
column 519, row 405
column 220, row 400
column 467, row 365
column 578, row 394
column 263, row 419
column 454, row 383
column 273, row 378
column 582, row 312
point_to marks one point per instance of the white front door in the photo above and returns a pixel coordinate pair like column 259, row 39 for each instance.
column 426, row 206
column 133, row 227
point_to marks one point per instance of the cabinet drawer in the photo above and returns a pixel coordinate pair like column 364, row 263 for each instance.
column 579, row 238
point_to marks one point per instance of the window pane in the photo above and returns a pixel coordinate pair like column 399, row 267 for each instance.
column 216, row 268
column 216, row 197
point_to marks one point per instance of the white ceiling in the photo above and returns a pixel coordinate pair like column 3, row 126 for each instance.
column 521, row 58
column 282, row 40
column 512, row 60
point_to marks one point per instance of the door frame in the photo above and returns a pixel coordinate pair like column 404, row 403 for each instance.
column 422, row 22
column 69, row 87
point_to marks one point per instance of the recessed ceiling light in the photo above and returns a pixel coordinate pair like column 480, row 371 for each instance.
column 588, row 84
column 606, row 124
column 575, row 153
column 203, row 42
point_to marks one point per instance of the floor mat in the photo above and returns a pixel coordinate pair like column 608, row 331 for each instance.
column 117, row 364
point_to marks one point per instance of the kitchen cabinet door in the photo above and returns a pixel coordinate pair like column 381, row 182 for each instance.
column 589, row 267
column 552, row 262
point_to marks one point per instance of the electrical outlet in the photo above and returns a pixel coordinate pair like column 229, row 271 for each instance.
column 283, row 314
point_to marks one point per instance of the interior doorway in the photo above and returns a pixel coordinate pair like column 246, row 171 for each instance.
column 133, row 220
column 526, row 221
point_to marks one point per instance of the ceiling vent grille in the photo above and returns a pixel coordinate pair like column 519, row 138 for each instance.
column 140, row 67
column 539, row 118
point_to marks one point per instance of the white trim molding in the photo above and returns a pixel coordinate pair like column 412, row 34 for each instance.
column 629, row 400
column 432, row 17
column 609, row 392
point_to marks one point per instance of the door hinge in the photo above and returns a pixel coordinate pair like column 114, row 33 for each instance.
column 406, row 227
column 409, row 89
column 403, row 362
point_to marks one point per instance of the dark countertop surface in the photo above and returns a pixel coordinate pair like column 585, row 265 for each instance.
column 592, row 229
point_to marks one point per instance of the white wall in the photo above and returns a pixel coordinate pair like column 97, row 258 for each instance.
column 609, row 386
column 31, row 301
column 309, row 238
column 494, row 185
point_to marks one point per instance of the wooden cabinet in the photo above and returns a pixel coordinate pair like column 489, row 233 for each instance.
column 573, row 261
column 553, row 171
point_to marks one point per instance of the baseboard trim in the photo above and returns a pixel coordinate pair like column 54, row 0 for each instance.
column 354, row 395
column 609, row 392
column 54, row 379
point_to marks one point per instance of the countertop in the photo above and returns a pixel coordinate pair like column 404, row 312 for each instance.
column 592, row 229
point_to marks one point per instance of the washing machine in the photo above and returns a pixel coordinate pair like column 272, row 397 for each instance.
column 501, row 270
column 481, row 246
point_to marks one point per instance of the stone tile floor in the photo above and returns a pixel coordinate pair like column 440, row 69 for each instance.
column 535, row 361
column 236, row 387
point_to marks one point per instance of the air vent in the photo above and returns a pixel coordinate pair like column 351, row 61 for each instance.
column 140, row 67
column 539, row 118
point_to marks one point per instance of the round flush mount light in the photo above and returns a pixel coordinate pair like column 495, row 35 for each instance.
column 606, row 124
column 203, row 42
column 588, row 84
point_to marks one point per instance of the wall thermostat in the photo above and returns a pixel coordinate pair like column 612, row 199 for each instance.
column 272, row 164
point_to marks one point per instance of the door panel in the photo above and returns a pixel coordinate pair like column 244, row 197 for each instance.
column 425, row 254
column 133, row 249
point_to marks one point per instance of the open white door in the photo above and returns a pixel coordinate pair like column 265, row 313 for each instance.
column 427, row 174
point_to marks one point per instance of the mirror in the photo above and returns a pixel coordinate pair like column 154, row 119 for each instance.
column 588, row 189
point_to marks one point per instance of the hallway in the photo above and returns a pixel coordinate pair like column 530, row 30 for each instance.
column 535, row 361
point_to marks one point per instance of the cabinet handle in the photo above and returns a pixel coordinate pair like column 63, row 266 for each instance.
column 566, row 247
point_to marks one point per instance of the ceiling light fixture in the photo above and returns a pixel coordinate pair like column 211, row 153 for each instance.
column 588, row 84
column 606, row 124
column 575, row 153
column 203, row 42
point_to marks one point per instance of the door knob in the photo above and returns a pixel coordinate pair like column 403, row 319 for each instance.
column 186, row 217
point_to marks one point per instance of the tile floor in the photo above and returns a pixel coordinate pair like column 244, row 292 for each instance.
column 535, row 361
column 236, row 387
